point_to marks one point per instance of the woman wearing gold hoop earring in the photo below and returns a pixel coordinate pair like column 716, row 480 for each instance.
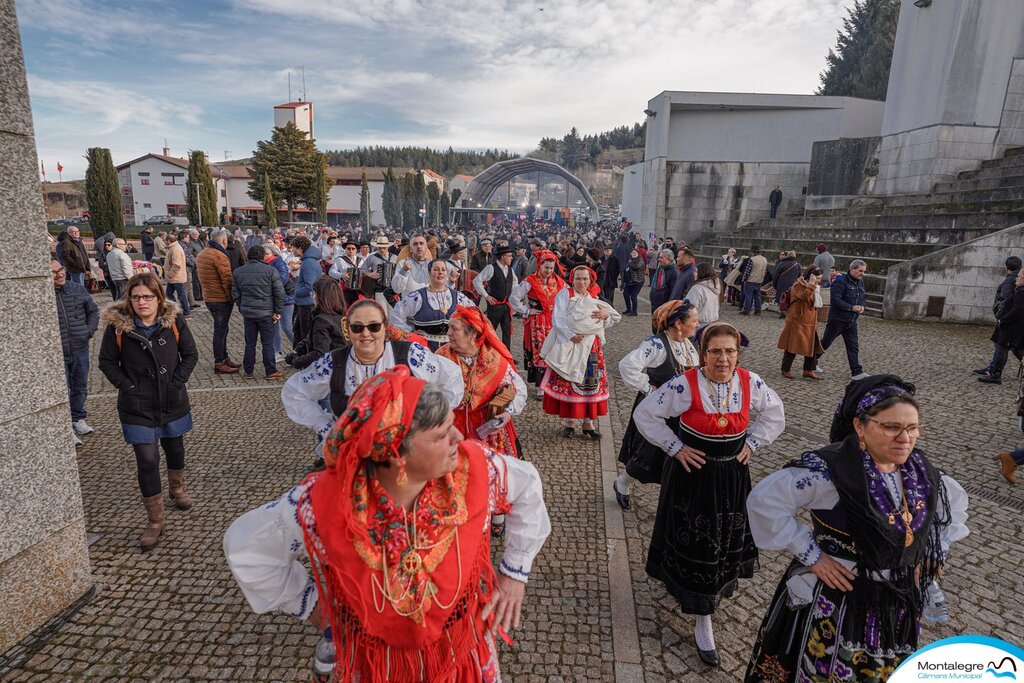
column 397, row 535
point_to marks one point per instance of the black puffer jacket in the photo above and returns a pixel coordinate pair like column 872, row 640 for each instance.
column 324, row 336
column 78, row 317
column 150, row 375
column 1009, row 330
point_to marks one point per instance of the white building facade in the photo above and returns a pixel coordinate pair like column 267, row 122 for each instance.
column 152, row 185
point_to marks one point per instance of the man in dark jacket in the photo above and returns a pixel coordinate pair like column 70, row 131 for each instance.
column 774, row 199
column 72, row 254
column 993, row 373
column 847, row 303
column 259, row 293
column 148, row 247
column 787, row 270
column 78, row 317
column 687, row 274
column 611, row 276
column 664, row 278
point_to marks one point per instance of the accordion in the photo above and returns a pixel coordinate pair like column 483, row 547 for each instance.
column 466, row 283
column 501, row 401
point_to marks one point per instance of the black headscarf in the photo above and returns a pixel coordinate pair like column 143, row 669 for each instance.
column 842, row 421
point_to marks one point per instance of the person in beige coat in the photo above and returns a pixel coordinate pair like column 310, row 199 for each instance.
column 800, row 334
column 176, row 273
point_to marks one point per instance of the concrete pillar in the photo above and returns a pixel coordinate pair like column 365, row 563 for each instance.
column 44, row 564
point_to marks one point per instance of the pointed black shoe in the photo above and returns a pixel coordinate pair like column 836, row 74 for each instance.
column 592, row 433
column 621, row 498
column 568, row 432
column 709, row 657
column 994, row 378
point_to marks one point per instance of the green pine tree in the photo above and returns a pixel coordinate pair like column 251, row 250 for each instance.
column 269, row 204
column 410, row 208
column 199, row 172
column 103, row 194
column 572, row 150
column 446, row 206
column 859, row 64
column 364, row 201
column 289, row 158
column 456, row 193
column 392, row 200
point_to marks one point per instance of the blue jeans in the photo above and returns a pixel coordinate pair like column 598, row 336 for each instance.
column 221, row 313
column 76, row 371
column 77, row 277
column 751, row 297
column 177, row 291
column 847, row 329
column 264, row 327
column 284, row 325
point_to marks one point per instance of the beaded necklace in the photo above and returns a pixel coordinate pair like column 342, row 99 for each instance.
column 718, row 400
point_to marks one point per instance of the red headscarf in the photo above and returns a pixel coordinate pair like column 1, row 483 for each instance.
column 548, row 255
column 484, row 329
column 594, row 290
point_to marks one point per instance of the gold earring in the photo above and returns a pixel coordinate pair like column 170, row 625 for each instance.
column 402, row 479
column 863, row 446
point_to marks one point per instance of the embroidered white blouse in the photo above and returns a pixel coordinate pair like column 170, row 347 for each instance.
column 650, row 354
column 405, row 310
column 674, row 398
column 264, row 546
column 511, row 378
column 773, row 504
column 304, row 390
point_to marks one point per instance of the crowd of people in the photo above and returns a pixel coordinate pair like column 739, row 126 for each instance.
column 407, row 379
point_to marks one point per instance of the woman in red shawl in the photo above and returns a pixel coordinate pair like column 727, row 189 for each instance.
column 494, row 391
column 534, row 298
column 398, row 537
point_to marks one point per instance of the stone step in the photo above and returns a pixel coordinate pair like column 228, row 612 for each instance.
column 868, row 249
column 937, row 237
column 1004, row 194
column 1003, row 162
column 977, row 224
column 1014, row 152
column 965, row 185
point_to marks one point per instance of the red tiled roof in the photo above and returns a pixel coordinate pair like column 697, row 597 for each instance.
column 467, row 178
column 291, row 105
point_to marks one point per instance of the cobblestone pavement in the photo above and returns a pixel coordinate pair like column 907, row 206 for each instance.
column 176, row 614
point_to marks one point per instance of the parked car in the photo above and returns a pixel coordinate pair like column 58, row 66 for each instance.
column 159, row 219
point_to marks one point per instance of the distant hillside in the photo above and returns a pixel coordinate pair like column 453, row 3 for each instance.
column 62, row 200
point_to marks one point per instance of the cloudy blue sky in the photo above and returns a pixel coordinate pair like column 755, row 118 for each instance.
column 487, row 73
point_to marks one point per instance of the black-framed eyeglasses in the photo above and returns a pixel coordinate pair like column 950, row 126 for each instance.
column 142, row 297
column 58, row 271
column 357, row 328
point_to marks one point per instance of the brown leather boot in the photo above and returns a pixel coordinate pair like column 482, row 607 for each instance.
column 1008, row 467
column 176, row 486
column 810, row 374
column 224, row 369
column 155, row 511
column 232, row 364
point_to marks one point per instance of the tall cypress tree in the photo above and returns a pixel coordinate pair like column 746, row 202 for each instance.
column 410, row 208
column 392, row 200
column 364, row 202
column 859, row 64
column 445, row 206
column 269, row 204
column 199, row 172
column 433, row 203
column 321, row 193
column 106, row 213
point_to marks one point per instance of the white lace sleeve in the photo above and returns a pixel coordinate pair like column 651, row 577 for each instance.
column 770, row 420
column 633, row 367
column 516, row 492
column 303, row 391
column 518, row 298
column 263, row 548
column 957, row 527
column 672, row 399
column 773, row 504
column 522, row 393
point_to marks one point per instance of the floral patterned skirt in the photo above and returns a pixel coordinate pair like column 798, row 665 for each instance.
column 586, row 400
column 535, row 331
column 833, row 638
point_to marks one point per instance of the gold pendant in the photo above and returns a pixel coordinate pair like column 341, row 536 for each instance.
column 722, row 422
column 910, row 538
column 412, row 563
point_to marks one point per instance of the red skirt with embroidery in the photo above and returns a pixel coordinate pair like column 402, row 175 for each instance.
column 586, row 400
column 535, row 331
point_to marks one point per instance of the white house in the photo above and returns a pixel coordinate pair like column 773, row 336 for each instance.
column 151, row 185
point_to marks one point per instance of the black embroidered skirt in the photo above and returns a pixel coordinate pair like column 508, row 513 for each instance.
column 643, row 460
column 701, row 542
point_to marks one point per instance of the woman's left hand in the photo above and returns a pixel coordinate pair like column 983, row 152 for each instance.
column 505, row 417
column 506, row 604
column 744, row 455
column 599, row 315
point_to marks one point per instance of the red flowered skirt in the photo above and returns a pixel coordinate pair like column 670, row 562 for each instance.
column 586, row 400
column 535, row 331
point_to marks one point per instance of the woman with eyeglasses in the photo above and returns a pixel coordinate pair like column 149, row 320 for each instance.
column 864, row 572
column 148, row 353
column 316, row 397
column 701, row 544
column 428, row 310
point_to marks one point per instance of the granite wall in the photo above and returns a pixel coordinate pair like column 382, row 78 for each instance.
column 1011, row 122
column 964, row 277
column 44, row 564
column 716, row 197
column 840, row 171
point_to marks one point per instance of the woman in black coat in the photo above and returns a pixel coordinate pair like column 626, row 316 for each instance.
column 1009, row 332
column 148, row 353
column 325, row 333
